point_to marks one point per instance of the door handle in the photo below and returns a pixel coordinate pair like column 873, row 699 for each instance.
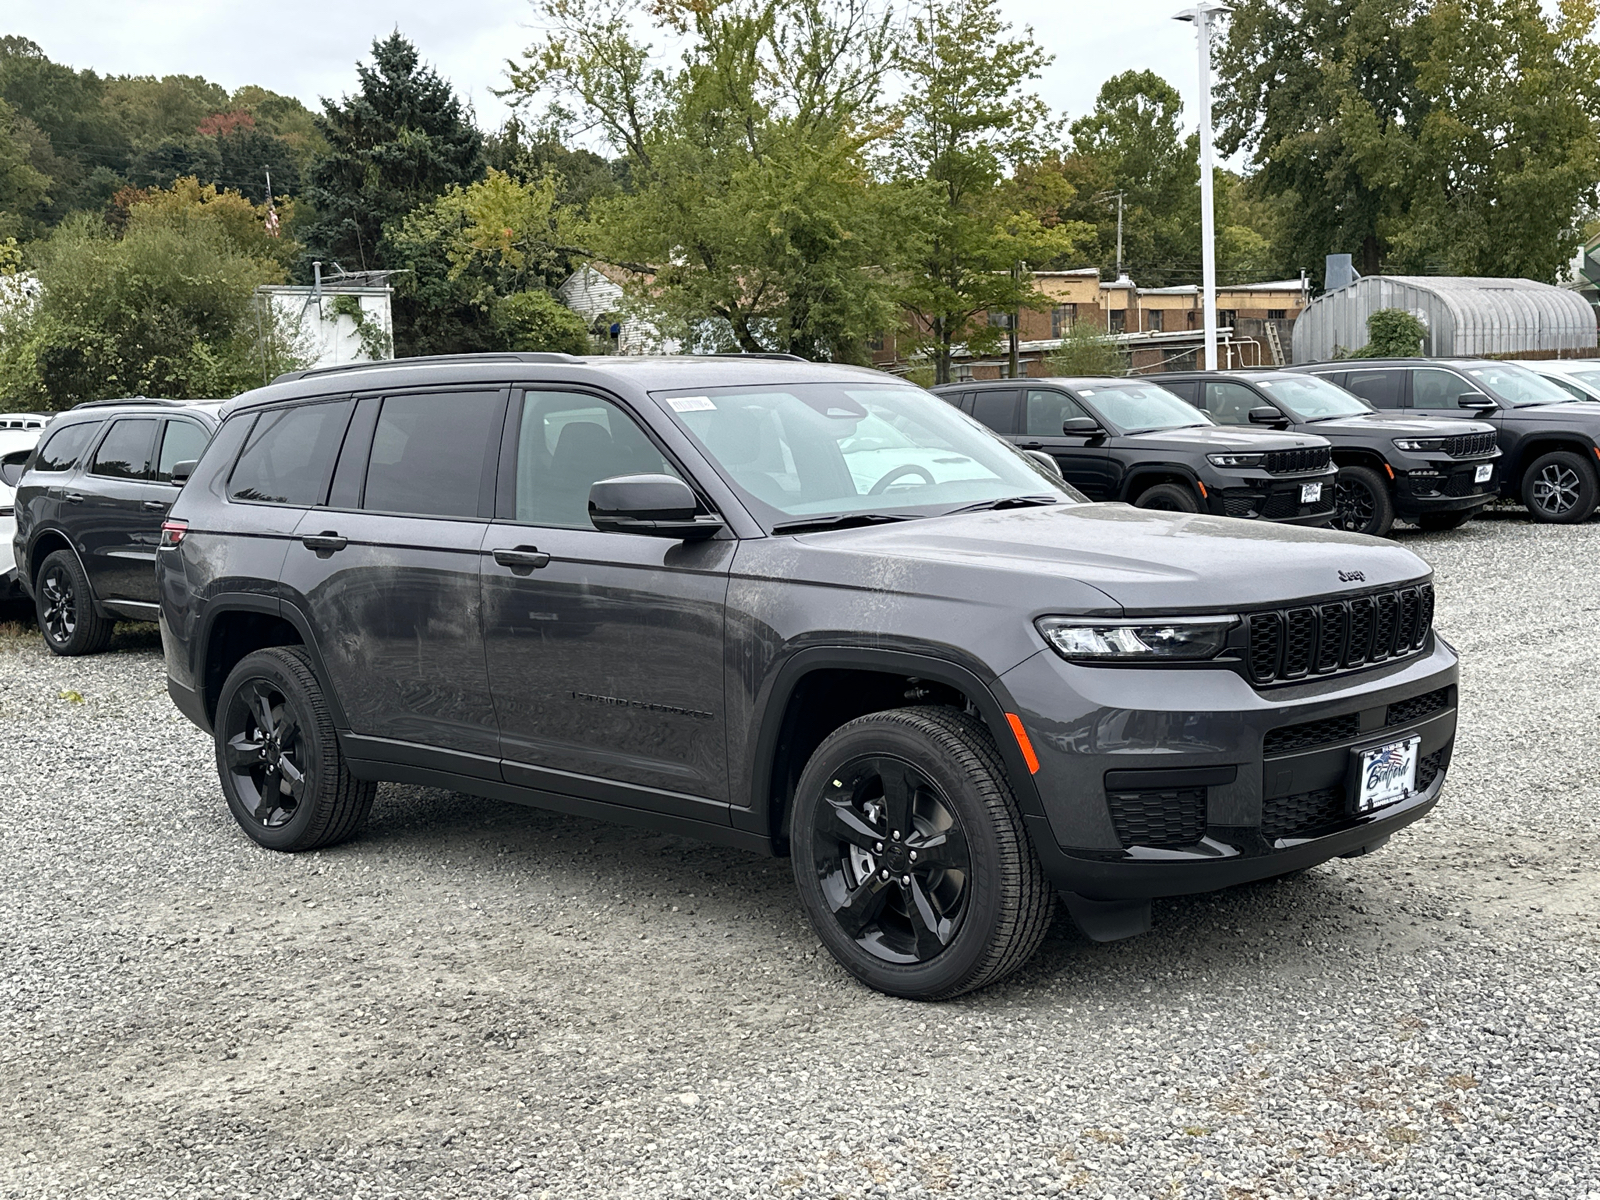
column 157, row 505
column 522, row 560
column 324, row 543
column 73, row 497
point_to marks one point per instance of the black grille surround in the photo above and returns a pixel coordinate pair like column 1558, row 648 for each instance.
column 1470, row 445
column 1297, row 462
column 1288, row 644
column 1165, row 819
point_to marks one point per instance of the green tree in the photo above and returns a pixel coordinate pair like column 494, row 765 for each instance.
column 538, row 321
column 24, row 189
column 400, row 140
column 1086, row 350
column 965, row 122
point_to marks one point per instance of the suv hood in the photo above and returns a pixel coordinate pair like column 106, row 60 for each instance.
column 1572, row 410
column 1396, row 425
column 1201, row 438
column 1038, row 559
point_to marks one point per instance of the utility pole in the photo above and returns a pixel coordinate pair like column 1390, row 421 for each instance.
column 1202, row 15
column 1017, row 268
column 1119, row 197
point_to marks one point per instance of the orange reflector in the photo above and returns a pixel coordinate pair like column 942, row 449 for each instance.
column 1597, row 451
column 1023, row 744
column 1389, row 469
column 1202, row 484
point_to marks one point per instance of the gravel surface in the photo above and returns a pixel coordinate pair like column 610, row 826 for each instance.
column 479, row 1000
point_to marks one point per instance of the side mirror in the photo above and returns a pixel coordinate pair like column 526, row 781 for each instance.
column 11, row 467
column 652, row 505
column 1476, row 402
column 1081, row 427
column 182, row 470
column 1045, row 461
column 1266, row 415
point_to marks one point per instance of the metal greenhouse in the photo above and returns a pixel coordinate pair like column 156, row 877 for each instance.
column 1465, row 317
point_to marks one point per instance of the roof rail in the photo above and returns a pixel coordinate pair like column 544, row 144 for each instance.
column 127, row 400
column 524, row 356
column 758, row 354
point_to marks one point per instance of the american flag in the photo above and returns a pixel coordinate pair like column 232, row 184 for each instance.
column 272, row 213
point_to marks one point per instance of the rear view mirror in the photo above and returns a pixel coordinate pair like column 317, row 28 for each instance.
column 1476, row 402
column 1045, row 461
column 652, row 505
column 11, row 466
column 1266, row 415
column 182, row 470
column 1081, row 427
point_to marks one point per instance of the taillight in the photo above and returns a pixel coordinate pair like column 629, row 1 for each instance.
column 172, row 533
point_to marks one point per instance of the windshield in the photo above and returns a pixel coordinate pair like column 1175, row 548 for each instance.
column 824, row 449
column 1589, row 379
column 1141, row 407
column 1307, row 398
column 1517, row 386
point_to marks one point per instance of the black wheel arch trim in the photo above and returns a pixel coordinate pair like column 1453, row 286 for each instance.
column 36, row 564
column 1143, row 471
column 224, row 603
column 1548, row 442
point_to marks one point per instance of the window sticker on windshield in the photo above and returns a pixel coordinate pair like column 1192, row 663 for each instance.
column 692, row 404
column 1085, row 391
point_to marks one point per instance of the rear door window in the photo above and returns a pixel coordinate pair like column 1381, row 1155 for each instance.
column 124, row 453
column 1383, row 388
column 433, row 455
column 289, row 454
column 183, row 441
column 62, row 448
column 997, row 409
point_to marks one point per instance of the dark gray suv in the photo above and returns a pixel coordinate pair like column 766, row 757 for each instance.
column 798, row 609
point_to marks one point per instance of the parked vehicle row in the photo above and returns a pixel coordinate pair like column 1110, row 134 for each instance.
column 801, row 609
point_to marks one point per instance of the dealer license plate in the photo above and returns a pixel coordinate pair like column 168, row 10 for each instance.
column 1483, row 474
column 1388, row 774
column 1310, row 493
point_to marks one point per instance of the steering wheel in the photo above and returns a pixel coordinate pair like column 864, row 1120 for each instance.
column 903, row 469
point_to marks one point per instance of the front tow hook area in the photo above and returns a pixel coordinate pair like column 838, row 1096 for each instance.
column 1108, row 920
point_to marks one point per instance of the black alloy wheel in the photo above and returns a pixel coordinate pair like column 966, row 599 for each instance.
column 66, row 610
column 1560, row 488
column 278, row 758
column 911, row 857
column 892, row 859
column 1169, row 497
column 1362, row 503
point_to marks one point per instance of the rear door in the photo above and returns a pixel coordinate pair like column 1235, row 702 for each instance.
column 1085, row 462
column 106, row 506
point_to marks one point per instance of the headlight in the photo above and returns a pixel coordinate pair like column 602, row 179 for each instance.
column 1151, row 639
column 1416, row 444
column 1235, row 460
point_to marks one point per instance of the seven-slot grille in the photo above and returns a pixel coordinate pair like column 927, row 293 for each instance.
column 1469, row 445
column 1294, row 462
column 1341, row 635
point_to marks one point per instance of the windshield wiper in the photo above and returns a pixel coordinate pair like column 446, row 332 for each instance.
column 1003, row 502
column 841, row 521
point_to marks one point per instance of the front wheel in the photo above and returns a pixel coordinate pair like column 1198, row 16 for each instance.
column 278, row 758
column 1560, row 488
column 1362, row 503
column 911, row 858
column 1169, row 497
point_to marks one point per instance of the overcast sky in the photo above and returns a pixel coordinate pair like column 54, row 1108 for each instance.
column 308, row 50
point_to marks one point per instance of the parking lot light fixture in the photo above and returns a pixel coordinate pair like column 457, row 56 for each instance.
column 1202, row 15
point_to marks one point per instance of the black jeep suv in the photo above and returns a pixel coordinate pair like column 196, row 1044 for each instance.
column 1431, row 472
column 1551, row 442
column 1125, row 439
column 799, row 609
column 90, row 502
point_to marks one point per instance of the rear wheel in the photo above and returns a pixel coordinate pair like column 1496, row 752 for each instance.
column 1169, row 497
column 1560, row 488
column 1437, row 522
column 65, row 607
column 1362, row 503
column 911, row 858
column 280, row 765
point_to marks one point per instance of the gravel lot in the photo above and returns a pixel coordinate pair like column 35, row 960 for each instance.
column 480, row 1000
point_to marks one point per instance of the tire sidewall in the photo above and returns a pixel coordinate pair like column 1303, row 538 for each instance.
column 1587, row 487
column 1178, row 495
column 269, row 667
column 966, row 953
column 1382, row 504
column 82, row 602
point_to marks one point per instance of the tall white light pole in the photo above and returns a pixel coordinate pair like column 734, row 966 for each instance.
column 1202, row 15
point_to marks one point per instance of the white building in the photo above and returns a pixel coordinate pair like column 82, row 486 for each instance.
column 332, row 323
column 596, row 294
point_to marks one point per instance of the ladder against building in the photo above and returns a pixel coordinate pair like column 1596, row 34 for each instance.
column 1275, row 343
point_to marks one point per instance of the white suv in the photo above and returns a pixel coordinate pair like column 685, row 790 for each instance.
column 19, row 433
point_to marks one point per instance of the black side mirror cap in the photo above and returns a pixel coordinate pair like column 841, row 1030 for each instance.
column 11, row 466
column 652, row 505
column 1476, row 402
column 182, row 470
column 1081, row 427
column 1265, row 414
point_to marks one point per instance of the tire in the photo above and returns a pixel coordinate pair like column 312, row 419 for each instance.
column 1362, row 503
column 1559, row 488
column 1169, row 497
column 977, row 904
column 64, row 605
column 1438, row 522
column 277, row 691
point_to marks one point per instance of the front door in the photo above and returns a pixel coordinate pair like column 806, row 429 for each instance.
column 605, row 650
column 1085, row 463
column 119, row 532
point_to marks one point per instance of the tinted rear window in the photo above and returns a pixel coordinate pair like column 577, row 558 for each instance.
column 1382, row 388
column 184, row 441
column 289, row 454
column 429, row 453
column 62, row 448
column 998, row 410
column 124, row 452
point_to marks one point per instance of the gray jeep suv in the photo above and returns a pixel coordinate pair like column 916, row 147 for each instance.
column 798, row 609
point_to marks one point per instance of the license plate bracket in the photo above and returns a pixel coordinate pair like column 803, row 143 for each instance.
column 1384, row 774
column 1310, row 493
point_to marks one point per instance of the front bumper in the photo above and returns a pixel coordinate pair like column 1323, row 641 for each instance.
column 1160, row 782
column 1256, row 495
column 1448, row 485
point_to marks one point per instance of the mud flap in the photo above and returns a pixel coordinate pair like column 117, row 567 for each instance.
column 1108, row 920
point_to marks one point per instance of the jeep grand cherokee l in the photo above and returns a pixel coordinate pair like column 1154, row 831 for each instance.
column 1126, row 439
column 795, row 608
column 1430, row 471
